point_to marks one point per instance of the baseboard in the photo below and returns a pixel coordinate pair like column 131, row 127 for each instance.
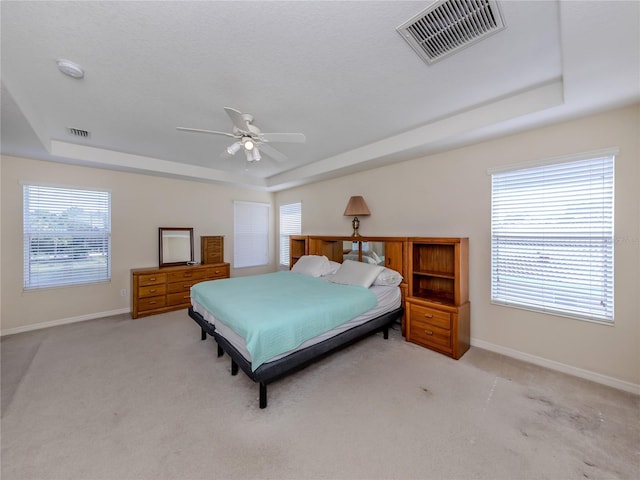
column 560, row 367
column 63, row 321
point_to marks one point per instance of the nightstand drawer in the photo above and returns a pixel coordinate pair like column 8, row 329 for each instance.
column 151, row 303
column 153, row 279
column 152, row 290
column 428, row 316
column 430, row 336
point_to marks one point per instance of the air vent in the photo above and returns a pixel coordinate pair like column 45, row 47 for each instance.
column 447, row 26
column 77, row 132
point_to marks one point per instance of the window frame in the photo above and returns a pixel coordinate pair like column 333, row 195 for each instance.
column 89, row 210
column 549, row 227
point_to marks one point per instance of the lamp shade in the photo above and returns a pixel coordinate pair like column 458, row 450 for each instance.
column 356, row 207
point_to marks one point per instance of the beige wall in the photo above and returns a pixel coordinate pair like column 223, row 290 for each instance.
column 140, row 204
column 448, row 194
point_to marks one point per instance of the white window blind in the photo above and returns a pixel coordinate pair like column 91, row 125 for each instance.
column 67, row 236
column 251, row 234
column 552, row 238
column 290, row 224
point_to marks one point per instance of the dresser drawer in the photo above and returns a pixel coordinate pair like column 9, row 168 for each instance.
column 152, row 279
column 151, row 303
column 218, row 272
column 187, row 274
column 178, row 299
column 152, row 290
column 428, row 316
column 183, row 286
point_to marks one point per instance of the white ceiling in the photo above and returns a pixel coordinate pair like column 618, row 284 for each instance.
column 336, row 71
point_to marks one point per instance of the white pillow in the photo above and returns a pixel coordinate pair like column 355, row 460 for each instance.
column 356, row 273
column 333, row 267
column 312, row 265
column 388, row 278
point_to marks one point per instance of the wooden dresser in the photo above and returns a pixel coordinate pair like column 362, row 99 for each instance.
column 159, row 290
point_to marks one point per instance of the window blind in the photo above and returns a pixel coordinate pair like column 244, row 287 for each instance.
column 251, row 234
column 552, row 238
column 290, row 224
column 67, row 236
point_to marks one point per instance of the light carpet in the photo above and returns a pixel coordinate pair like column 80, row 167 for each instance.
column 117, row 398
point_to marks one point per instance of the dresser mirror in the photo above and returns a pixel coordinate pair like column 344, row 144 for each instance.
column 175, row 246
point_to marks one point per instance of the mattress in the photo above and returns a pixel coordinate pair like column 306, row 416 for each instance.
column 388, row 299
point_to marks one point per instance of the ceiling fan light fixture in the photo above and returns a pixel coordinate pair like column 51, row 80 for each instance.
column 248, row 144
column 253, row 155
column 234, row 148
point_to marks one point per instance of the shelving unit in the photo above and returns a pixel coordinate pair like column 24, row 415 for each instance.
column 438, row 314
column 298, row 247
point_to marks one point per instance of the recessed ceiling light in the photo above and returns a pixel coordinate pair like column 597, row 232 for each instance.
column 70, row 68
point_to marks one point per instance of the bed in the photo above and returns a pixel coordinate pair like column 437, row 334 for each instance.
column 327, row 306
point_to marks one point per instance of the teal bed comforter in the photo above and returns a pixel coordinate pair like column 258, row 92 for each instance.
column 276, row 312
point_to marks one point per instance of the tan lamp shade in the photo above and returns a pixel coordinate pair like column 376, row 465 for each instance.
column 355, row 207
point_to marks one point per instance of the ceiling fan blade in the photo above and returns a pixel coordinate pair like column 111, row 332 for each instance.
column 199, row 130
column 273, row 153
column 283, row 137
column 238, row 120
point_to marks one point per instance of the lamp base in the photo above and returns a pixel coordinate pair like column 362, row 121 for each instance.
column 355, row 224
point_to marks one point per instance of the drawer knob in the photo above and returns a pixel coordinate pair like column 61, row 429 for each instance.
column 153, row 279
column 217, row 272
column 428, row 332
column 152, row 303
column 428, row 315
column 153, row 291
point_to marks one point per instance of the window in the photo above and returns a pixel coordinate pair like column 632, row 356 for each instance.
column 552, row 237
column 250, row 234
column 290, row 224
column 67, row 236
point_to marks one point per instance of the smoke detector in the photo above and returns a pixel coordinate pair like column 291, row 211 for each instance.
column 70, row 68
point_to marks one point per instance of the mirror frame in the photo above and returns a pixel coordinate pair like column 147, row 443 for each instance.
column 164, row 230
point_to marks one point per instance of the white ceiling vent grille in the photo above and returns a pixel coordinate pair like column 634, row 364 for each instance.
column 77, row 132
column 447, row 26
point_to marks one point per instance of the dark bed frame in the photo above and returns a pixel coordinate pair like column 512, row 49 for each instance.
column 271, row 371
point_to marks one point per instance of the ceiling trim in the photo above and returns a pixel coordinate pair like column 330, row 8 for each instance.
column 450, row 128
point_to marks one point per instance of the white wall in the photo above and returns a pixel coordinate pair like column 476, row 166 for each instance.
column 140, row 204
column 448, row 194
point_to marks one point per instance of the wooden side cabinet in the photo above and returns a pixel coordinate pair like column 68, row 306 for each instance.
column 160, row 290
column 212, row 249
column 438, row 309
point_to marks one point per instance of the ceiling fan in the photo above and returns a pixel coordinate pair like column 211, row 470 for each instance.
column 249, row 137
